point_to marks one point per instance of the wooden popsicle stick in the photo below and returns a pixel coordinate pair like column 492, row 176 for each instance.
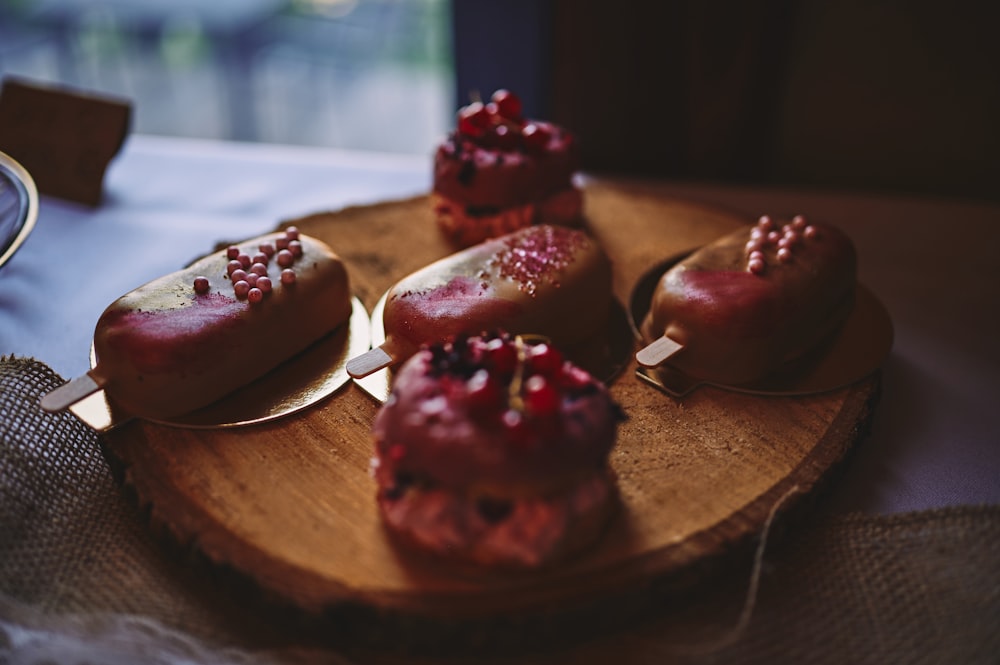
column 657, row 352
column 369, row 362
column 71, row 392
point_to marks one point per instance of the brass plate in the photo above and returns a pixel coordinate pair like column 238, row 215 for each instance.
column 296, row 384
column 18, row 206
column 605, row 365
column 858, row 349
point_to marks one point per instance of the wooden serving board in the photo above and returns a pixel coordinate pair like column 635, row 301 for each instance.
column 289, row 504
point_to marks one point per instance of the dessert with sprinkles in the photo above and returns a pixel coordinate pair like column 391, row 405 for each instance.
column 187, row 339
column 494, row 451
column 752, row 301
column 551, row 281
column 499, row 171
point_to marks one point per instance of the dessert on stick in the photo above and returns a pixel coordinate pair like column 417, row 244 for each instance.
column 551, row 281
column 189, row 338
column 499, row 171
column 494, row 451
column 746, row 304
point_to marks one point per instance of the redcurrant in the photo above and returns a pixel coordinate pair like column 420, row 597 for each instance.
column 541, row 398
column 545, row 359
column 473, row 120
column 502, row 356
column 483, row 391
column 508, row 105
column 535, row 137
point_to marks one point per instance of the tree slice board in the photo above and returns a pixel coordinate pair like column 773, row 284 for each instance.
column 289, row 504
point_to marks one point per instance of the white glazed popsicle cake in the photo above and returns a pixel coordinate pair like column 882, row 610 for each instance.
column 753, row 300
column 187, row 339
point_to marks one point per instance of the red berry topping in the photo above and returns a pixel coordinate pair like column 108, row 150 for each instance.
column 545, row 359
column 483, row 391
column 541, row 398
column 503, row 137
column 502, row 355
column 535, row 137
column 514, row 423
column 474, row 119
column 507, row 104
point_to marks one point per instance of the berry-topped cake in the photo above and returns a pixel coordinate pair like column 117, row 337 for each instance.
column 494, row 451
column 499, row 171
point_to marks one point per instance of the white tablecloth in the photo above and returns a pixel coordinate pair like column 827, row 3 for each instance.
column 934, row 264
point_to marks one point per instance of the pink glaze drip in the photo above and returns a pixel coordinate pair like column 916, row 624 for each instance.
column 712, row 294
column 538, row 256
column 463, row 304
column 149, row 338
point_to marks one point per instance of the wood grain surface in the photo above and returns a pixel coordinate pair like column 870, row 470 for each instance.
column 289, row 505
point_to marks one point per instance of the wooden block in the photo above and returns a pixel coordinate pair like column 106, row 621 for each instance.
column 65, row 139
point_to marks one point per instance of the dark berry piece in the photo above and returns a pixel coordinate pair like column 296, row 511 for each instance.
column 493, row 510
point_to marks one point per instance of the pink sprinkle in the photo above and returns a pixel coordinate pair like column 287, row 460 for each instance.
column 252, row 279
column 259, row 268
column 292, row 233
column 255, row 295
column 784, row 255
column 798, row 222
column 788, row 240
column 285, row 258
column 773, row 236
column 287, row 276
column 238, row 275
column 295, row 247
column 538, row 255
column 264, row 284
column 232, row 252
column 811, row 232
column 201, row 284
column 266, row 248
column 756, row 266
column 281, row 243
column 754, row 245
column 232, row 267
column 241, row 289
column 764, row 223
column 244, row 260
column 757, row 234
column 757, row 255
column 261, row 257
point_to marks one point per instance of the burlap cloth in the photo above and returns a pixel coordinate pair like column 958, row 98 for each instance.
column 82, row 579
